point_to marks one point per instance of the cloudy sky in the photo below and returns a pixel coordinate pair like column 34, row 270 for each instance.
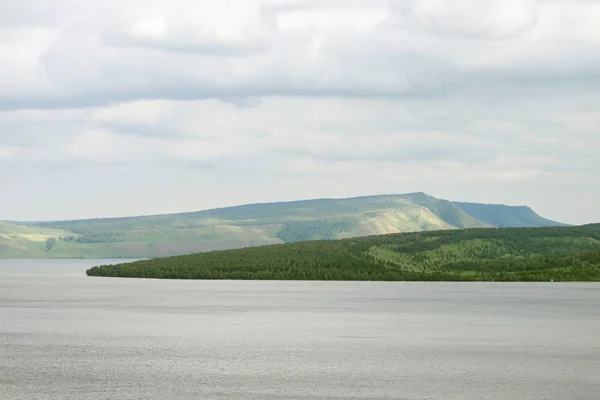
column 120, row 107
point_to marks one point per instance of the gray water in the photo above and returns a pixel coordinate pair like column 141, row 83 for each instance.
column 67, row 336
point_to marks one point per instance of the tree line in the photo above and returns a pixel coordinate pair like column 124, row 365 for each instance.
column 495, row 254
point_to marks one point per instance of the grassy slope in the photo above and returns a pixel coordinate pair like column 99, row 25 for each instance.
column 248, row 225
column 16, row 239
column 507, row 254
column 136, row 244
column 506, row 216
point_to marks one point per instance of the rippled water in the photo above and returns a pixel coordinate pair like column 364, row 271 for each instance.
column 66, row 336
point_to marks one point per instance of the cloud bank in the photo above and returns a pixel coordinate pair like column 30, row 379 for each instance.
column 113, row 108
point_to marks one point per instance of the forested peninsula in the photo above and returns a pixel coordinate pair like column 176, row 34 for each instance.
column 479, row 254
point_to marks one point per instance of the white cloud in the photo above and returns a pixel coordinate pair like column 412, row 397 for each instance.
column 354, row 19
column 97, row 52
column 267, row 100
column 199, row 25
column 8, row 152
column 22, row 71
column 103, row 146
column 324, row 130
column 482, row 19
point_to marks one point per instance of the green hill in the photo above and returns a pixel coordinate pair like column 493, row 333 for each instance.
column 236, row 227
column 505, row 216
column 492, row 254
column 23, row 239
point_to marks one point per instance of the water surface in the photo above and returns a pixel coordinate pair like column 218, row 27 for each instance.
column 67, row 336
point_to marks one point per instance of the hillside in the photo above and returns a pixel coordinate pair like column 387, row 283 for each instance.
column 492, row 254
column 24, row 239
column 505, row 216
column 238, row 227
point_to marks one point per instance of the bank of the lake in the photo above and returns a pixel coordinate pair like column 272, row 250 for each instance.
column 509, row 254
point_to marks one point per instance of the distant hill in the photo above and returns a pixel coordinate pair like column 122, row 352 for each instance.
column 505, row 216
column 17, row 239
column 504, row 254
column 240, row 226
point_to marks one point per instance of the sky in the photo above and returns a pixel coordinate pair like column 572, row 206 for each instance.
column 120, row 107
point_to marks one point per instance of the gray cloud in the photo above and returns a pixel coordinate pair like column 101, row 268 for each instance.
column 201, row 50
column 287, row 99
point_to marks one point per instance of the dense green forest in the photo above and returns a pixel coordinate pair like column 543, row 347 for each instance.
column 490, row 254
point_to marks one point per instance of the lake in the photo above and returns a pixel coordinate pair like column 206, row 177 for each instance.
column 67, row 336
